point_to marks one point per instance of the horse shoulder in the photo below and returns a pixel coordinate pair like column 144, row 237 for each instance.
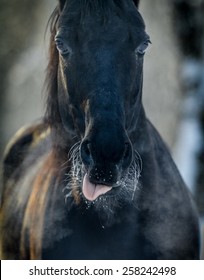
column 20, row 146
column 23, row 158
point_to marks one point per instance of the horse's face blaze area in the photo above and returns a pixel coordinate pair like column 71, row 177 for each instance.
column 99, row 95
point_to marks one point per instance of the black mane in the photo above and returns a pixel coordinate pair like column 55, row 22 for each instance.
column 52, row 111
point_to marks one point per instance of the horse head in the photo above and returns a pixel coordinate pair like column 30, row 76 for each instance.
column 100, row 47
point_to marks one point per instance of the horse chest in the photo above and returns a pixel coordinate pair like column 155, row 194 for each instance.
column 89, row 239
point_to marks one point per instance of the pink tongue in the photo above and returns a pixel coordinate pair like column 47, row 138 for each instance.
column 92, row 191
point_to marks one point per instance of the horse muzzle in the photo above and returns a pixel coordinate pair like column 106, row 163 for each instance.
column 105, row 163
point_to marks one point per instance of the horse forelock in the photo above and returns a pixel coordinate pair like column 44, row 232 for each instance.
column 99, row 3
column 103, row 9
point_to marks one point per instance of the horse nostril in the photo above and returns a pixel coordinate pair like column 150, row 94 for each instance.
column 86, row 152
column 127, row 155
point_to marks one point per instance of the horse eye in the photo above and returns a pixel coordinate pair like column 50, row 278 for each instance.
column 62, row 47
column 143, row 47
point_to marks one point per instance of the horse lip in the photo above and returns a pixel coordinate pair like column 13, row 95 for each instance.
column 115, row 185
column 85, row 168
column 101, row 182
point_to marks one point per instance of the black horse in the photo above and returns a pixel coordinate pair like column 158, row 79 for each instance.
column 94, row 180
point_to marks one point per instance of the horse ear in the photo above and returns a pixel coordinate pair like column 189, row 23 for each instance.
column 61, row 4
column 136, row 2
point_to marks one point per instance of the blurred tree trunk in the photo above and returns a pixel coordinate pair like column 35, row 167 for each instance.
column 161, row 92
column 17, row 19
column 189, row 26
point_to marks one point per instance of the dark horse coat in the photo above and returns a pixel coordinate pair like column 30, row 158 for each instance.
column 94, row 179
